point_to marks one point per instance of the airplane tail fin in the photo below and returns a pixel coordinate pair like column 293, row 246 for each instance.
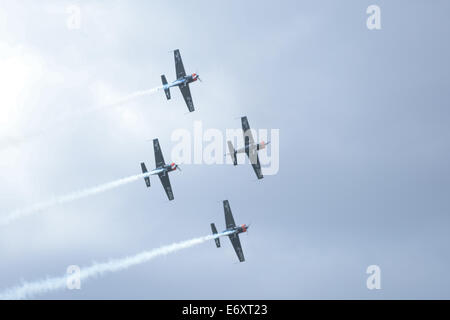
column 144, row 170
column 166, row 89
column 232, row 152
column 214, row 231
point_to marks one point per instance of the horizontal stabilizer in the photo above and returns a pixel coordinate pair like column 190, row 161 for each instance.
column 144, row 170
column 214, row 231
column 232, row 152
column 166, row 89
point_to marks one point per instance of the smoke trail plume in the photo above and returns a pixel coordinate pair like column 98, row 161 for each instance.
column 134, row 95
column 30, row 289
column 20, row 213
column 81, row 112
column 6, row 142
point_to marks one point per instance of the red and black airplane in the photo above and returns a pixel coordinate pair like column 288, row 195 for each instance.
column 231, row 230
column 162, row 170
column 250, row 148
column 182, row 81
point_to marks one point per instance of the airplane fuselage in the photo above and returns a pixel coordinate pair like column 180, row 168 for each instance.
column 238, row 229
column 182, row 81
column 164, row 169
column 253, row 146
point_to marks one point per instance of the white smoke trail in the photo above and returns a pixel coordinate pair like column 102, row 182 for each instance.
column 78, row 112
column 29, row 289
column 20, row 213
column 134, row 95
column 6, row 142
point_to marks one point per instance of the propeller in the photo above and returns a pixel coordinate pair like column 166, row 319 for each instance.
column 198, row 77
column 174, row 166
column 246, row 229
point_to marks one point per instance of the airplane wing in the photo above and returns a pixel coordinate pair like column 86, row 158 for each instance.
column 237, row 246
column 179, row 68
column 229, row 221
column 187, row 96
column 252, row 154
column 248, row 137
column 166, row 184
column 159, row 159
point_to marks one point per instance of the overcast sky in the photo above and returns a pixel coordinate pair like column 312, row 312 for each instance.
column 363, row 116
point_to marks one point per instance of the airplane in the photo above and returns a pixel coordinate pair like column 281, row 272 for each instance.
column 181, row 82
column 250, row 148
column 162, row 170
column 231, row 227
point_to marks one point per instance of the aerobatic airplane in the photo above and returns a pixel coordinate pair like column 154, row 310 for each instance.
column 250, row 148
column 182, row 81
column 231, row 227
column 162, row 170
